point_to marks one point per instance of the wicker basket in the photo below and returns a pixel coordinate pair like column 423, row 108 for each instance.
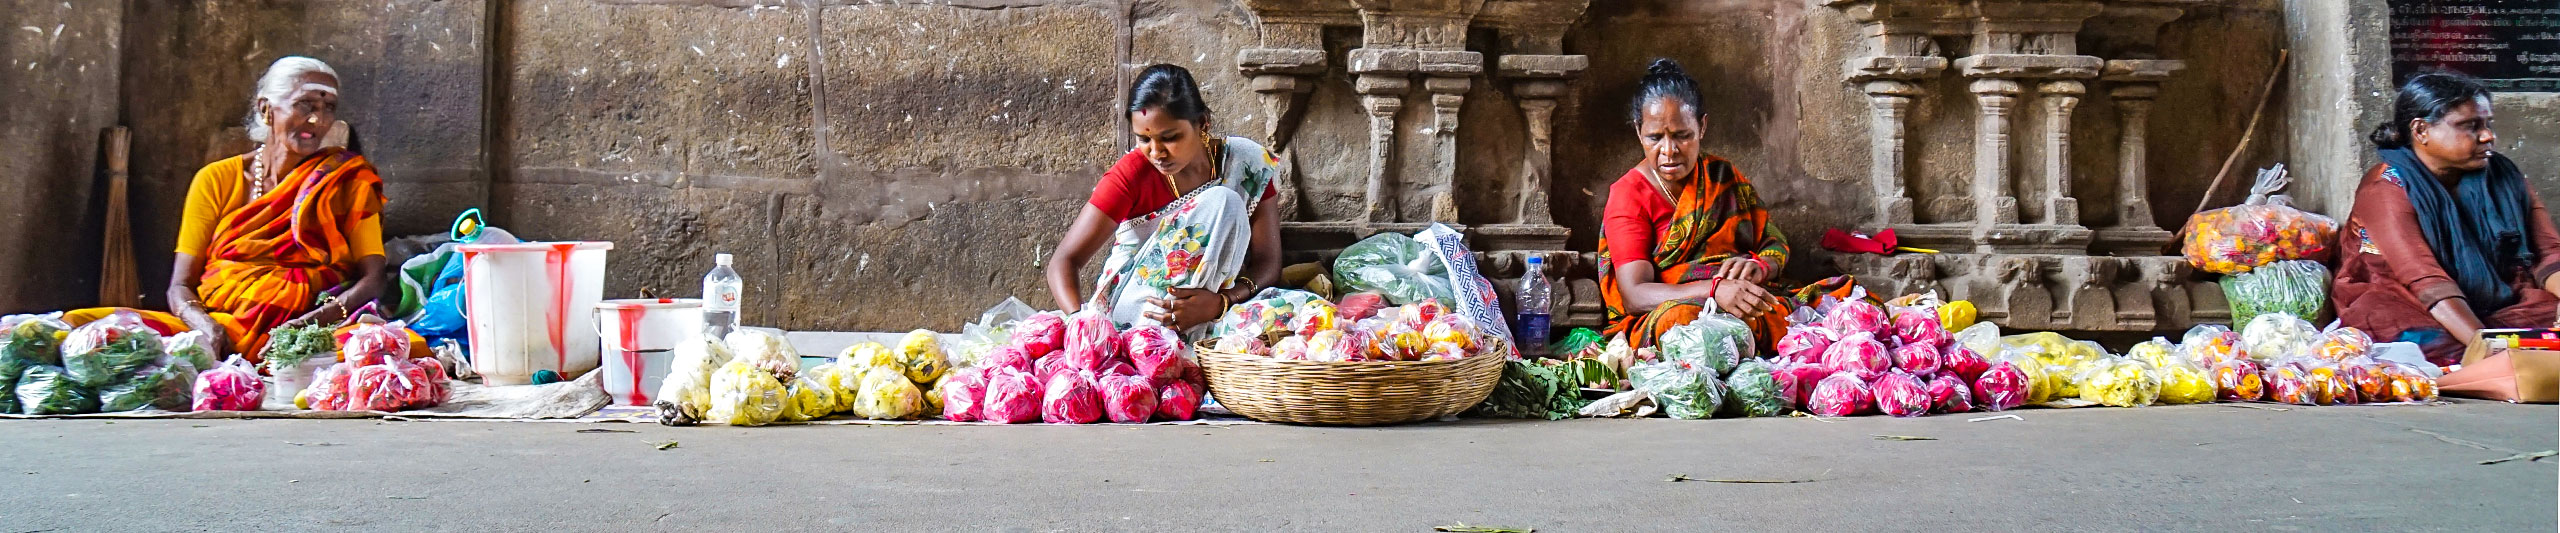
column 1368, row 393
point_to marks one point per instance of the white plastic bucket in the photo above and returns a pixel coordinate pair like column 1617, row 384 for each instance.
column 531, row 308
column 639, row 338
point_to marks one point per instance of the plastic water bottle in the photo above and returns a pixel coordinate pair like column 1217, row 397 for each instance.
column 1532, row 317
column 720, row 290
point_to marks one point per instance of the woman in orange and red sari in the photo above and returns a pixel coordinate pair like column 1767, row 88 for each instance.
column 1684, row 229
column 287, row 234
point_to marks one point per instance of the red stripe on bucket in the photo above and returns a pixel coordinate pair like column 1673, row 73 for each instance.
column 557, row 263
column 630, row 349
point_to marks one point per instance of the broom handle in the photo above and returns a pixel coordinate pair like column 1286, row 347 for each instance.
column 2265, row 93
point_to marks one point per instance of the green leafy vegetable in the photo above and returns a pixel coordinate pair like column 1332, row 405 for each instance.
column 1531, row 390
column 290, row 346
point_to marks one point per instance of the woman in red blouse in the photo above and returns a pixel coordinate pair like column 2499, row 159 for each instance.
column 2446, row 237
column 1185, row 240
column 1683, row 229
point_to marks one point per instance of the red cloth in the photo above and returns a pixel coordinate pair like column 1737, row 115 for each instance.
column 1133, row 188
column 1637, row 214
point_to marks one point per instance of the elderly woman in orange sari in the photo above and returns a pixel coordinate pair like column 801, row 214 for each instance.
column 287, row 234
column 1684, row 233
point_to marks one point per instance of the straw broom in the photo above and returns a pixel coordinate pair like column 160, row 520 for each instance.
column 119, row 284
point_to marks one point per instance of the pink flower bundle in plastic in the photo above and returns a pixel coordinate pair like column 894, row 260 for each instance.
column 1016, row 357
column 2001, row 388
column 1964, row 362
column 1948, row 393
column 1011, row 397
column 1918, row 358
column 1040, row 334
column 1858, row 354
column 1049, row 366
column 1805, row 342
column 438, row 388
column 1849, row 317
column 961, row 392
column 1796, row 381
column 1919, row 325
column 1842, row 394
column 1901, row 395
column 1128, row 399
column 1178, row 400
column 1090, row 339
column 1150, row 344
column 231, row 386
column 1070, row 398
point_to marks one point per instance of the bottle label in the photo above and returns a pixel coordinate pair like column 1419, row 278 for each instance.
column 717, row 299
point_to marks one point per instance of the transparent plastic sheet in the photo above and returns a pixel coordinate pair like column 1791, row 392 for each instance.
column 1397, row 266
column 1981, row 337
column 231, row 386
column 1684, row 390
column 195, row 347
column 1752, row 390
column 1266, row 315
column 993, row 328
column 2264, row 229
column 2298, row 288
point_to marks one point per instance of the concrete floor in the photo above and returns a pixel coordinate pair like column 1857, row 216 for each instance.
column 2214, row 467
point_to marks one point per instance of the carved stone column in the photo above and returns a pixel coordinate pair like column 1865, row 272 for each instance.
column 1384, row 78
column 1537, row 81
column 1992, row 197
column 2137, row 83
column 1450, row 74
column 2060, row 97
column 1890, row 100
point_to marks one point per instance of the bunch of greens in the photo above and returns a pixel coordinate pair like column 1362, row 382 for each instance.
column 1531, row 390
column 288, row 347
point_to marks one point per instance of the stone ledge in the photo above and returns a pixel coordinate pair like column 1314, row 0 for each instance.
column 2033, row 66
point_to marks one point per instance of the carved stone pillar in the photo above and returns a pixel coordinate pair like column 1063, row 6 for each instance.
column 2137, row 83
column 1992, row 197
column 1890, row 100
column 1537, row 81
column 2060, row 97
column 1450, row 75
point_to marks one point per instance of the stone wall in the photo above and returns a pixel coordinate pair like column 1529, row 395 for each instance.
column 891, row 164
column 59, row 66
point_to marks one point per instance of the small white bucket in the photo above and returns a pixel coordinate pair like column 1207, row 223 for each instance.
column 531, row 307
column 639, row 338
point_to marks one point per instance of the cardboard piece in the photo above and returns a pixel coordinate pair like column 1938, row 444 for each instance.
column 2508, row 365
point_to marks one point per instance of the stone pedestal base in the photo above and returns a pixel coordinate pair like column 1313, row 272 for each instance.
column 2052, row 291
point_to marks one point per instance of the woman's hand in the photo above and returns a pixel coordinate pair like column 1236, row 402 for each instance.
column 1186, row 308
column 1744, row 299
column 332, row 313
column 1745, row 268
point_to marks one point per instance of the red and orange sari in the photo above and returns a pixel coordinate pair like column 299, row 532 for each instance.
column 1716, row 216
column 272, row 259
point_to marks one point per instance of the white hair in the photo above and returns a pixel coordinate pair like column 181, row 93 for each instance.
column 279, row 83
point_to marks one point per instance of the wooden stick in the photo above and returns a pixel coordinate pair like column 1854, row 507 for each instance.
column 2264, row 94
column 119, row 280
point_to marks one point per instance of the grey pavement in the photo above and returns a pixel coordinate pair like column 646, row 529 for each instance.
column 2212, row 467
